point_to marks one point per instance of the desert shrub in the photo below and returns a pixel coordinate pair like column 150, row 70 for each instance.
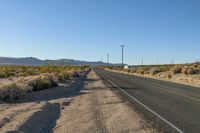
column 195, row 65
column 154, row 71
column 12, row 91
column 110, row 67
column 125, row 70
column 60, row 77
column 74, row 75
column 41, row 85
column 63, row 76
column 53, row 83
column 191, row 71
column 146, row 72
column 142, row 70
column 185, row 70
column 134, row 70
column 169, row 76
column 32, row 71
column 36, row 70
column 164, row 68
column 66, row 75
column 176, row 69
column 3, row 75
column 46, row 78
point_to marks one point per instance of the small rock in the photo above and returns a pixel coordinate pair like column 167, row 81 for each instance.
column 66, row 102
column 6, row 120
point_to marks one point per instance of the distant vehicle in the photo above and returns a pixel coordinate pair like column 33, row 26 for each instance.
column 126, row 67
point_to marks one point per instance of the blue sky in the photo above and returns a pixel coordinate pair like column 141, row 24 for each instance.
column 89, row 29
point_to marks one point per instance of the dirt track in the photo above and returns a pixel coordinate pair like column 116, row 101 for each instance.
column 99, row 110
column 83, row 107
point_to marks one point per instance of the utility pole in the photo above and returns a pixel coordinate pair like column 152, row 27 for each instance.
column 157, row 61
column 122, row 55
column 101, row 59
column 173, row 61
column 108, row 56
column 142, row 61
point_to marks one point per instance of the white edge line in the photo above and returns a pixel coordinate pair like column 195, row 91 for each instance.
column 153, row 112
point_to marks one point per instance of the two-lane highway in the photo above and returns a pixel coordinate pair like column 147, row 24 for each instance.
column 177, row 104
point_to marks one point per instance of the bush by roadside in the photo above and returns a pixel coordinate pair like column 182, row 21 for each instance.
column 142, row 70
column 18, row 86
column 3, row 75
column 154, row 71
column 189, row 70
column 17, row 71
column 12, row 91
column 176, row 69
column 42, row 84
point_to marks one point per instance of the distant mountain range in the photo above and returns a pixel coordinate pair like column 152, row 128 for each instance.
column 31, row 61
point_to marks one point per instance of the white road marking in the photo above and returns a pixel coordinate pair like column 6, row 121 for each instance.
column 153, row 112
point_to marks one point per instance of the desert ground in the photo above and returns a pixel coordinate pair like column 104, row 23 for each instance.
column 83, row 105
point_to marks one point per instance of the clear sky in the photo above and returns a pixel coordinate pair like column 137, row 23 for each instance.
column 89, row 29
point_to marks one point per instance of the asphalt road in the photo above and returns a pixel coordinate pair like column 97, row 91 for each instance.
column 176, row 103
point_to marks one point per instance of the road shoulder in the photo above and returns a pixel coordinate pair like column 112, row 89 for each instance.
column 99, row 109
column 172, row 80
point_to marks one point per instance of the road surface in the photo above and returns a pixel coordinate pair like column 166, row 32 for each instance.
column 176, row 104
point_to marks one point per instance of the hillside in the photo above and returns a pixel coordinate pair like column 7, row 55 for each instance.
column 37, row 62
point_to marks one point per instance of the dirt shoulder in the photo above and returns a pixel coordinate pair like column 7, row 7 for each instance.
column 84, row 106
column 38, row 112
column 99, row 109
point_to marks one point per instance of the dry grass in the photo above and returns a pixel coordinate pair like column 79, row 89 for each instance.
column 17, row 71
column 35, row 79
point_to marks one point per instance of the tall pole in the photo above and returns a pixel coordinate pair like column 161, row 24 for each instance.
column 157, row 61
column 142, row 62
column 172, row 61
column 101, row 59
column 122, row 55
column 108, row 56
